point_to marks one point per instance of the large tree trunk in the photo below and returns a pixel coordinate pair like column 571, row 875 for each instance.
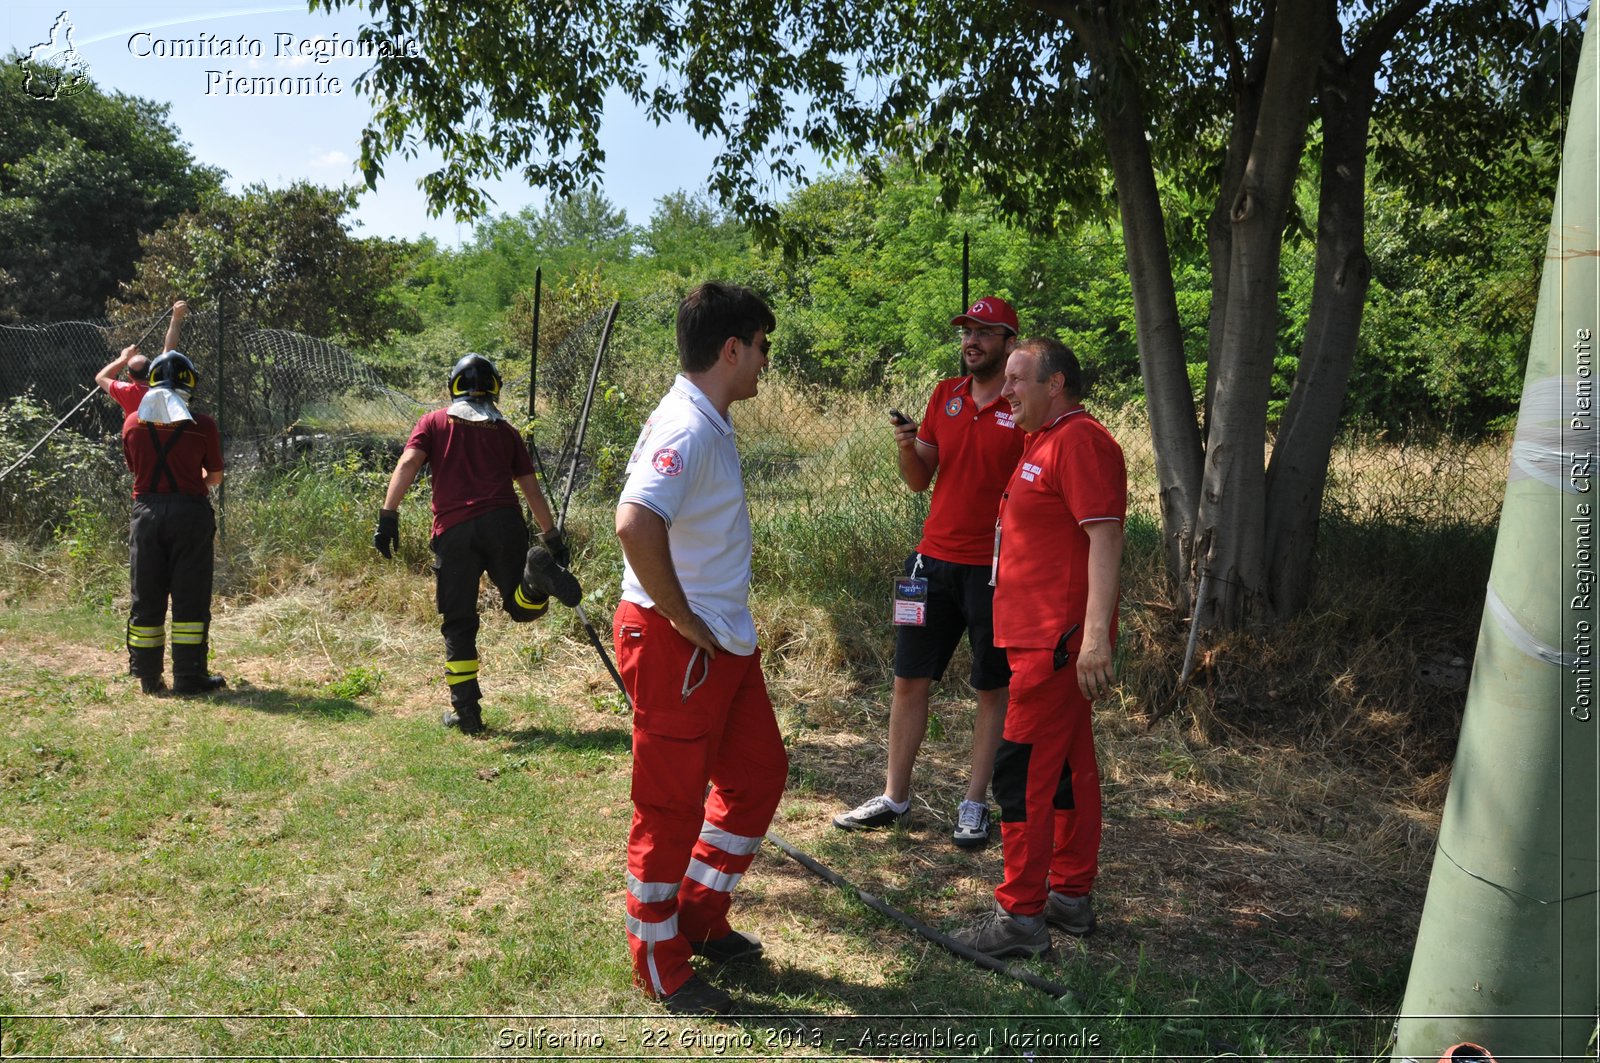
column 1224, row 513
column 1245, row 78
column 1230, row 526
column 1174, row 428
column 1298, row 473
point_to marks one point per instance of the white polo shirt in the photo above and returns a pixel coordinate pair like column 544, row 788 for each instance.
column 685, row 469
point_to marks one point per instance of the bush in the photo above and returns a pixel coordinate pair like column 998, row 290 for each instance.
column 69, row 474
column 318, row 513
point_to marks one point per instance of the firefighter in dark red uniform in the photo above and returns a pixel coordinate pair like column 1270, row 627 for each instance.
column 476, row 457
column 176, row 457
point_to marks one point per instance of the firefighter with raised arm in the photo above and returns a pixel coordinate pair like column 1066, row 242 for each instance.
column 175, row 456
column 129, row 393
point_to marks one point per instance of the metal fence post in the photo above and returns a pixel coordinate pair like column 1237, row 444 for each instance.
column 966, row 270
column 222, row 488
column 533, row 344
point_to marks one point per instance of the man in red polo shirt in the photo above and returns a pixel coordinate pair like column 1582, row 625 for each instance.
column 1058, row 549
column 128, row 393
column 968, row 438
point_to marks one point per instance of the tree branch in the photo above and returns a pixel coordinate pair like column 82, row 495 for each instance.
column 1228, row 45
column 1075, row 18
column 1378, row 38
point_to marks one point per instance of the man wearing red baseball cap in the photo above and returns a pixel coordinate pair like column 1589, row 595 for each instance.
column 969, row 438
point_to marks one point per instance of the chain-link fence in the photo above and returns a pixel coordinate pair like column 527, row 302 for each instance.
column 265, row 387
column 809, row 449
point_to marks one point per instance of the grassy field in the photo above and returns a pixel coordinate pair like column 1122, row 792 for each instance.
column 307, row 865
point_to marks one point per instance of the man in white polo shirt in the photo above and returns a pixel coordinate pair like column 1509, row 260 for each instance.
column 686, row 647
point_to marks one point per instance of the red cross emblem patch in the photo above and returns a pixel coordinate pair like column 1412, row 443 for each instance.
column 667, row 462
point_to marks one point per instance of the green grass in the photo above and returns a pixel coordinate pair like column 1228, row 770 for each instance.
column 282, row 854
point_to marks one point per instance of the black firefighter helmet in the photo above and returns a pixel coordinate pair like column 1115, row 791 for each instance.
column 474, row 377
column 173, row 370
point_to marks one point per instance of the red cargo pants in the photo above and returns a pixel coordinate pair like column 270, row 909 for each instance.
column 695, row 722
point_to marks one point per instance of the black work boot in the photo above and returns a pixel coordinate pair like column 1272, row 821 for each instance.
column 467, row 717
column 189, row 672
column 543, row 578
column 197, row 684
column 146, row 662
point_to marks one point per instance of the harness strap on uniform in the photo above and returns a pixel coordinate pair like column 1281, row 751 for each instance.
column 161, row 468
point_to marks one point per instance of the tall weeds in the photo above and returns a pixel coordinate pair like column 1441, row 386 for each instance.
column 1403, row 559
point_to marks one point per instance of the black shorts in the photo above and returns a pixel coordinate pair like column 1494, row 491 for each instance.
column 959, row 599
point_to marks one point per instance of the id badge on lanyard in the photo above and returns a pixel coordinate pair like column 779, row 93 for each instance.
column 994, row 563
column 909, row 599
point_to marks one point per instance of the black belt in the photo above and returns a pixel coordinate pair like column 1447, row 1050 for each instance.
column 152, row 498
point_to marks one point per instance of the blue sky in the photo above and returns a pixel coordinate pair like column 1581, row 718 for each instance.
column 280, row 139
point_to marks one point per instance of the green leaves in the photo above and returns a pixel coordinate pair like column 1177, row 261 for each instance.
column 80, row 178
column 282, row 258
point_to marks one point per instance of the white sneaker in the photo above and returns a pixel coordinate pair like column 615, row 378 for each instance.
column 972, row 825
column 877, row 812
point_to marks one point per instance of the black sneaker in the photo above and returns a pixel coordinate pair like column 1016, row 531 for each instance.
column 698, row 997
column 877, row 812
column 732, row 947
column 204, row 684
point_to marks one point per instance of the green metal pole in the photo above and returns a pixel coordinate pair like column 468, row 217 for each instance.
column 533, row 344
column 222, row 423
column 1506, row 955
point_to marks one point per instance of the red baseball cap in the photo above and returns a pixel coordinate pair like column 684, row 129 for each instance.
column 991, row 310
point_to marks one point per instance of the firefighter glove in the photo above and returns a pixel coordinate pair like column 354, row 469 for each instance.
column 556, row 543
column 386, row 539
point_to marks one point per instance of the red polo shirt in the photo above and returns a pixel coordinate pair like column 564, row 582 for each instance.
column 475, row 466
column 1071, row 474
column 978, row 449
column 128, row 394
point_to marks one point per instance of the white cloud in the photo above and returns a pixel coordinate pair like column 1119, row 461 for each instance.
column 333, row 160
